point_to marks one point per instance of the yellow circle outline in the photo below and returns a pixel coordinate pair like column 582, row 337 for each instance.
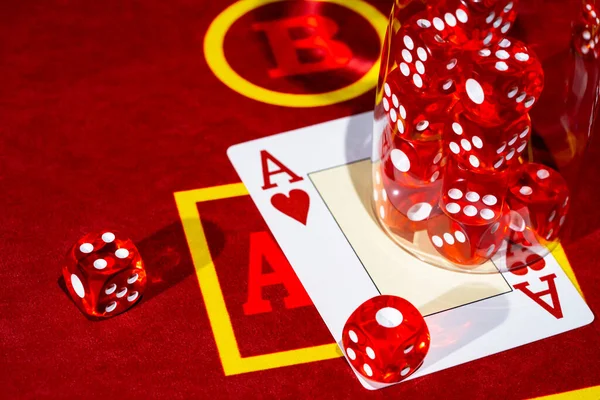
column 215, row 57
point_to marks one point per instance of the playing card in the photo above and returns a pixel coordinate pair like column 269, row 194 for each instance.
column 313, row 188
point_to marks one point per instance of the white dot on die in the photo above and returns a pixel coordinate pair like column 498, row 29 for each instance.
column 400, row 126
column 408, row 42
column 405, row 371
column 513, row 140
column 422, row 54
column 121, row 292
column 406, row 56
column 408, row 349
column 377, row 177
column 370, row 353
column 499, row 162
column 485, row 52
column 501, row 66
column 543, row 173
column 450, row 19
column 521, row 97
column 497, row 22
column 477, row 142
column 449, row 238
column 386, row 89
column 586, row 35
column 122, row 253
column 111, row 307
column 551, row 217
column 423, row 23
column 353, row 336
column 351, row 354
column 422, row 125
column 368, row 370
column 451, row 64
column 132, row 296
column 490, row 17
column 417, row 80
column 512, row 92
column 419, row 211
column 455, row 193
column 502, row 54
column 465, row 144
column 525, row 190
column 486, row 214
column 550, row 232
column 438, row 24
column 386, row 104
column 404, row 69
column 470, row 211
column 434, row 176
column 461, row 15
column 395, row 100
column 108, row 237
column 420, row 67
column 452, row 208
column 524, row 133
column 402, row 112
column 490, row 250
column 437, row 158
column 474, row 161
column 381, row 212
column 383, row 194
column 389, row 317
column 522, row 56
column 508, row 7
column 460, row 236
column 529, row 102
column 472, row 196
column 475, row 91
column 400, row 160
column 393, row 115
column 437, row 241
column 77, row 286
column 454, row 148
column 100, row 263
column 457, row 128
column 505, row 27
column 488, row 39
column 489, row 200
column 562, row 220
column 504, row 43
column 132, row 278
column 510, row 154
column 110, row 289
column 86, row 248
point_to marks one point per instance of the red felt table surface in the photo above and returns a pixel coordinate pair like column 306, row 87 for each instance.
column 109, row 108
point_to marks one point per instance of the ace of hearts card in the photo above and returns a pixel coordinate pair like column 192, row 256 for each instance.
column 313, row 187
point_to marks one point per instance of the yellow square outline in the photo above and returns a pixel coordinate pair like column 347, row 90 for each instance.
column 231, row 359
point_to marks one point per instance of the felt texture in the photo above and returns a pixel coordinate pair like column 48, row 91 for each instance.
column 108, row 108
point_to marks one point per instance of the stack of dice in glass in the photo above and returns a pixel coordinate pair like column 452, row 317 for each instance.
column 456, row 100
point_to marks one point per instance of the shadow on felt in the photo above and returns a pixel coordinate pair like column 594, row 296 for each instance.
column 167, row 259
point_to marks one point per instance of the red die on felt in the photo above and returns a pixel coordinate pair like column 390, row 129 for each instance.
column 386, row 339
column 501, row 83
column 541, row 197
column 104, row 274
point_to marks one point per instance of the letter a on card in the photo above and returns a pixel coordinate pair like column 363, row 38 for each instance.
column 554, row 308
column 267, row 172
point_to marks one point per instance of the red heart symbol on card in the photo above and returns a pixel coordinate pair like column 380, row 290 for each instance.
column 295, row 205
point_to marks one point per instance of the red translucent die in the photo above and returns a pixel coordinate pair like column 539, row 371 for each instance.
column 464, row 243
column 104, row 274
column 586, row 32
column 470, row 24
column 411, row 116
column 388, row 214
column 428, row 65
column 474, row 198
column 415, row 203
column 411, row 163
column 386, row 339
column 501, row 83
column 487, row 148
column 541, row 196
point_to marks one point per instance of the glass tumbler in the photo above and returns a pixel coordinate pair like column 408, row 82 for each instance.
column 484, row 109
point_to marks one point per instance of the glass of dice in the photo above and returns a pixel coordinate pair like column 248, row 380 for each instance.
column 484, row 109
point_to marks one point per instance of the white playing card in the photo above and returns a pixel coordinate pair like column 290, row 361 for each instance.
column 343, row 258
